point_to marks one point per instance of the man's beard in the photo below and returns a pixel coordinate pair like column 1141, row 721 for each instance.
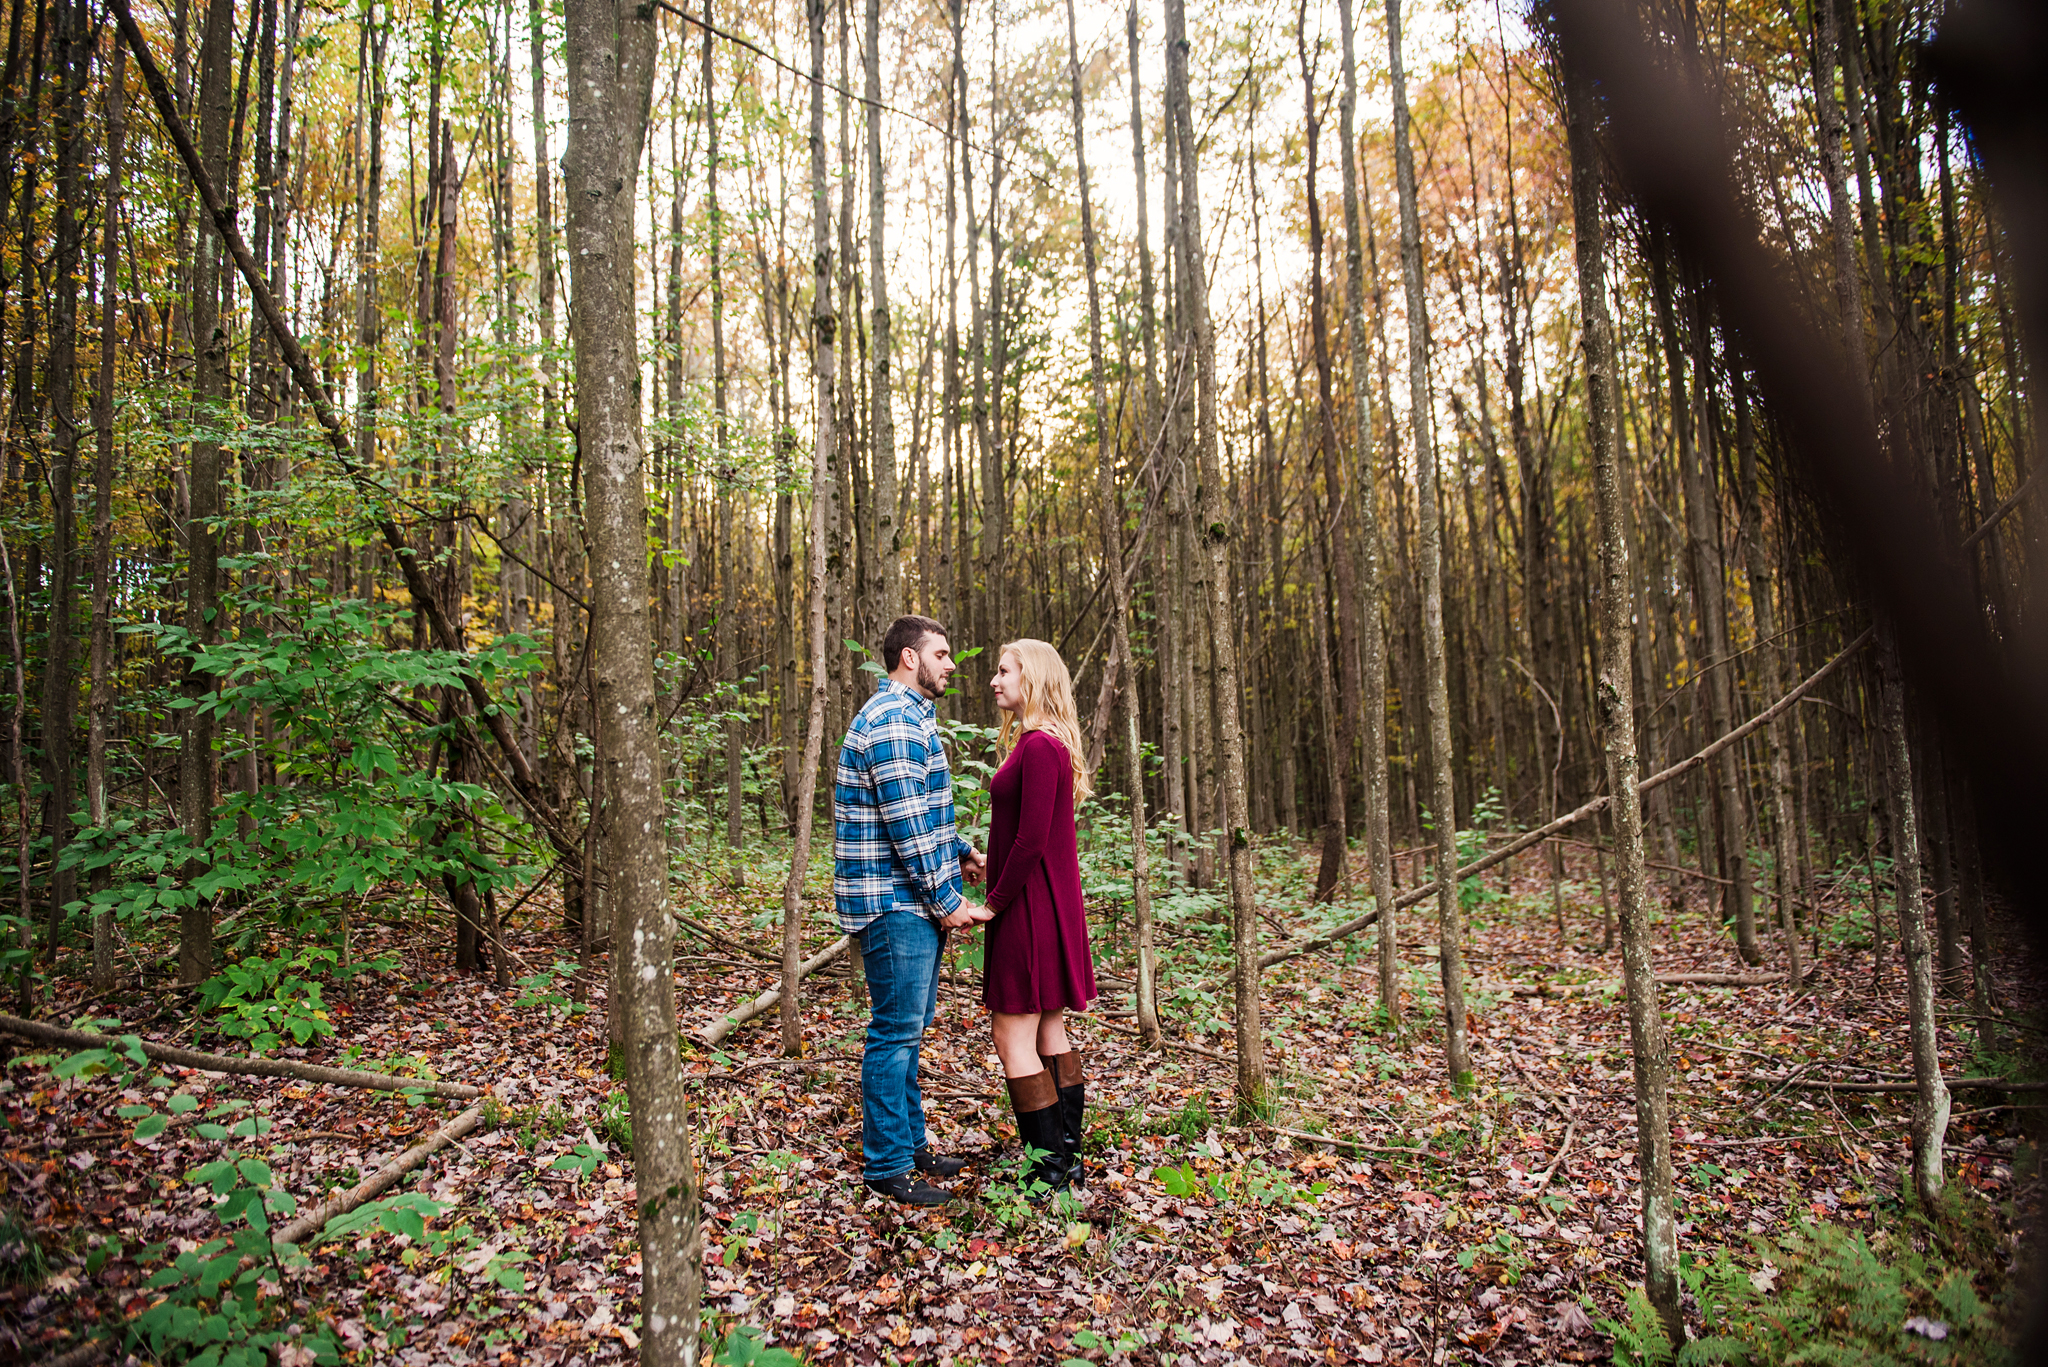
column 928, row 681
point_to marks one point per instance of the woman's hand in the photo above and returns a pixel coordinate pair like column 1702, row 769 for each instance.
column 969, row 914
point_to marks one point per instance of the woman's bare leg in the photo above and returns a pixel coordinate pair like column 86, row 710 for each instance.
column 1017, row 1042
column 1052, row 1034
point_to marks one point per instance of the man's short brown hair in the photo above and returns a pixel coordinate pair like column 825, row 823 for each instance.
column 908, row 633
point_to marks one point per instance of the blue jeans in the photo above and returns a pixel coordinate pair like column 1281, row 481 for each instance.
column 900, row 951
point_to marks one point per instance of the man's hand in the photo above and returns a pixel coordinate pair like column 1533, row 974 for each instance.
column 969, row 914
column 974, row 867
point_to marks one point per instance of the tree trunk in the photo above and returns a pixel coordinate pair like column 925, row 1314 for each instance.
column 101, row 628
column 60, row 663
column 722, row 462
column 1372, row 648
column 882, row 450
column 1109, row 512
column 1930, row 1093
column 197, row 777
column 1436, row 694
column 1783, row 822
column 1339, row 674
column 1215, row 535
column 1649, row 1046
column 824, row 333
column 611, row 73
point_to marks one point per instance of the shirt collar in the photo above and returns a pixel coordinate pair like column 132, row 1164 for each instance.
column 889, row 685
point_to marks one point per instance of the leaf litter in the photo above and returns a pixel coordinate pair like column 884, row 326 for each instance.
column 1373, row 1216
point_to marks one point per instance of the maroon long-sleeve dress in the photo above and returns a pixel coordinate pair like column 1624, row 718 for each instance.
column 1037, row 956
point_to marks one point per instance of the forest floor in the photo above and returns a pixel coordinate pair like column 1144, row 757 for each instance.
column 1496, row 1227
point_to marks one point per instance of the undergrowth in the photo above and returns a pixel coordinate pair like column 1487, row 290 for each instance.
column 1907, row 1291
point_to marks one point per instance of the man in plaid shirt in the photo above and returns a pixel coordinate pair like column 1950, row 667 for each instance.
column 897, row 866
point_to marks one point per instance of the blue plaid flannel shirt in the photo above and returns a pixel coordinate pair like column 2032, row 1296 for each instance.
column 893, row 838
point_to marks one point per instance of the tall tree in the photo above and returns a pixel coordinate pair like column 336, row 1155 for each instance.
column 1372, row 646
column 1436, row 692
column 888, row 532
column 611, row 47
column 1650, row 1052
column 1109, row 513
column 824, row 334
column 197, row 775
column 1233, row 837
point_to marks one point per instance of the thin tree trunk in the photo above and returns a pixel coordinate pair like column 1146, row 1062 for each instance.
column 611, row 74
column 1372, row 648
column 197, row 777
column 1109, row 512
column 1235, row 839
column 1649, row 1045
column 1930, row 1093
column 824, row 334
column 1436, row 695
column 101, row 704
column 1339, row 674
column 722, row 462
column 60, row 380
column 882, row 418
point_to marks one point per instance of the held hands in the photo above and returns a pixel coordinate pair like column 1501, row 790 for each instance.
column 974, row 869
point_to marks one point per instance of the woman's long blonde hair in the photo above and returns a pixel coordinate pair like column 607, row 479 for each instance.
column 1048, row 698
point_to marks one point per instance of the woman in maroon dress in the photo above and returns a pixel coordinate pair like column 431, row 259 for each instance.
column 1037, row 962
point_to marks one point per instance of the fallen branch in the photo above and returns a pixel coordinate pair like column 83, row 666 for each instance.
column 1993, row 1084
column 250, row 1067
column 1351, row 1144
column 1416, row 896
column 309, row 1225
column 1719, row 979
column 718, row 1030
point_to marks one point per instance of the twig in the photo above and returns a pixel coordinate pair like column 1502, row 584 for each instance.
column 251, row 1067
column 1571, row 1128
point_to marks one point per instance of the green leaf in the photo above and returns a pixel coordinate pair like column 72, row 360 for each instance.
column 152, row 1126
column 134, row 1112
column 211, row 1131
column 181, row 1103
column 256, row 1171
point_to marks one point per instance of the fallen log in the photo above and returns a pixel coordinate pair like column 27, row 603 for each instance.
column 719, row 1029
column 1417, row 895
column 44, row 1033
column 309, row 1225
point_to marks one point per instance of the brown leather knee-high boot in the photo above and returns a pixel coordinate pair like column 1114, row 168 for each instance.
column 1073, row 1091
column 1036, row 1100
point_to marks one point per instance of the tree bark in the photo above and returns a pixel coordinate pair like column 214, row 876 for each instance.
column 1372, row 648
column 1436, row 694
column 1215, row 536
column 882, row 418
column 824, row 334
column 1339, row 682
column 1109, row 513
column 722, row 462
column 1930, row 1093
column 60, row 380
column 1649, row 1045
column 197, row 778
column 101, row 697
column 611, row 51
